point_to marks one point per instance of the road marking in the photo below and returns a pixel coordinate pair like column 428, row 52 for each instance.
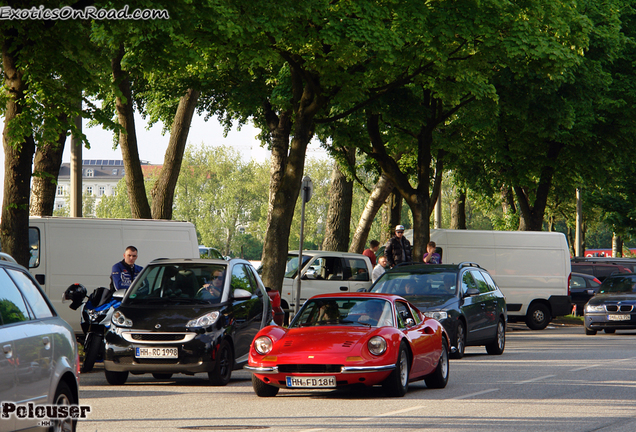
column 475, row 394
column 535, row 379
column 597, row 365
column 392, row 413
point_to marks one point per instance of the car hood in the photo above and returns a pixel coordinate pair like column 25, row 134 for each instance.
column 433, row 303
column 172, row 318
column 323, row 338
column 617, row 297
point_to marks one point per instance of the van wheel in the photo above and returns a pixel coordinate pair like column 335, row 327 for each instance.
column 538, row 316
column 460, row 341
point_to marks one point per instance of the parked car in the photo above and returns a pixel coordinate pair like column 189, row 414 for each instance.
column 463, row 297
column 614, row 307
column 629, row 263
column 346, row 339
column 600, row 271
column 40, row 361
column 210, row 252
column 187, row 316
column 582, row 288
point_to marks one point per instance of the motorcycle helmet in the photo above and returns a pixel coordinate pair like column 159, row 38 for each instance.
column 76, row 294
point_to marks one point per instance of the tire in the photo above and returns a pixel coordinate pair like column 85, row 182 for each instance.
column 609, row 330
column 92, row 348
column 439, row 378
column 497, row 346
column 116, row 378
column 397, row 383
column 162, row 376
column 538, row 316
column 222, row 372
column 590, row 332
column 263, row 390
column 63, row 396
column 460, row 341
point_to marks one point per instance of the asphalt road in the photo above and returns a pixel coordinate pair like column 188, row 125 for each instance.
column 556, row 379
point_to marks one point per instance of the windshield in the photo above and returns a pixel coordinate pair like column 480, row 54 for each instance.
column 292, row 264
column 619, row 284
column 369, row 312
column 433, row 284
column 184, row 283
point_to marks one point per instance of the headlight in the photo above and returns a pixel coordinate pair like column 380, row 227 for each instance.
column 263, row 345
column 204, row 321
column 119, row 319
column 594, row 308
column 438, row 315
column 376, row 345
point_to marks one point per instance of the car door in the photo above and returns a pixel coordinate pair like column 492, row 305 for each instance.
column 357, row 273
column 323, row 275
column 472, row 309
column 490, row 303
column 421, row 341
column 247, row 312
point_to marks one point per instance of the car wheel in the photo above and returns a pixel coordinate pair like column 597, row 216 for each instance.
column 398, row 382
column 460, row 341
column 439, row 378
column 496, row 347
column 590, row 332
column 222, row 372
column 538, row 316
column 63, row 396
column 92, row 347
column 263, row 390
column 609, row 330
column 162, row 376
column 116, row 378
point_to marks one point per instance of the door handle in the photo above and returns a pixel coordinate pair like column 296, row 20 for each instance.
column 344, row 288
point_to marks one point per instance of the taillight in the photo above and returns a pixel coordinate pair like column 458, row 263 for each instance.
column 77, row 364
column 569, row 278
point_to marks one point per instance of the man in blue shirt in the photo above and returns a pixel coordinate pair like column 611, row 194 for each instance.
column 125, row 271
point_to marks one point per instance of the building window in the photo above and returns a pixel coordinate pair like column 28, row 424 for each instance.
column 89, row 172
column 114, row 171
column 59, row 206
column 102, row 189
column 60, row 190
column 89, row 190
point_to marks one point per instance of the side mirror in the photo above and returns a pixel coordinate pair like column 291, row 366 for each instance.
column 409, row 322
column 241, row 294
column 470, row 292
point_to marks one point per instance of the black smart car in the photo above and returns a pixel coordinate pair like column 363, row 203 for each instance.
column 187, row 316
column 463, row 297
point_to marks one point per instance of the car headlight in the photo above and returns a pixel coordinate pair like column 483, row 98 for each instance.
column 438, row 315
column 377, row 345
column 594, row 308
column 119, row 319
column 204, row 321
column 263, row 345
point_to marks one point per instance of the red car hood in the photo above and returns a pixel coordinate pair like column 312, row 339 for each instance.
column 321, row 339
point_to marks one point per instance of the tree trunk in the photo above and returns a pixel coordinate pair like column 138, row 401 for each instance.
column 46, row 168
column 163, row 190
column 617, row 246
column 139, row 206
column 18, row 158
column 338, row 227
column 393, row 212
column 458, row 211
column 377, row 198
column 507, row 200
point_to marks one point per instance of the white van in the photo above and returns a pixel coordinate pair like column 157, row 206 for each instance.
column 83, row 250
column 532, row 268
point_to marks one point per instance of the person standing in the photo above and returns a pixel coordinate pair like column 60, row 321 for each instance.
column 431, row 257
column 379, row 269
column 125, row 271
column 398, row 249
column 374, row 245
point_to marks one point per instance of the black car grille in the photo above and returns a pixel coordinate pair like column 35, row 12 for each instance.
column 157, row 337
column 619, row 308
column 309, row 368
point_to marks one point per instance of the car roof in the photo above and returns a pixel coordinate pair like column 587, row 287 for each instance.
column 390, row 297
column 431, row 268
column 208, row 261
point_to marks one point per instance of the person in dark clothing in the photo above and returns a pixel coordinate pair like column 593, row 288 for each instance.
column 125, row 271
column 398, row 249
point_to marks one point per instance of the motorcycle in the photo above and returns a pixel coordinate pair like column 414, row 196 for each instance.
column 96, row 314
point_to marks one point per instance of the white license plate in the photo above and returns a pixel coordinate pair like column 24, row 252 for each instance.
column 143, row 352
column 618, row 317
column 311, row 382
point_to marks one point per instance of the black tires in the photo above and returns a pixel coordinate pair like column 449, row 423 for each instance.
column 116, row 378
column 590, row 332
column 497, row 346
column 263, row 390
column 92, row 349
column 397, row 383
column 162, row 376
column 63, row 396
column 222, row 372
column 460, row 341
column 439, row 378
column 538, row 316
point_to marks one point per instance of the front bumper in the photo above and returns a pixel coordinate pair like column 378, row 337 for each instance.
column 601, row 321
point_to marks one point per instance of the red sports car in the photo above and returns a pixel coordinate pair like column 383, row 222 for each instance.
column 345, row 339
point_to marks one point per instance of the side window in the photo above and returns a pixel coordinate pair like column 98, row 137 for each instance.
column 240, row 279
column 252, row 279
column 403, row 313
column 468, row 282
column 33, row 295
column 577, row 282
column 490, row 281
column 34, row 247
column 12, row 306
column 482, row 286
column 327, row 268
column 356, row 269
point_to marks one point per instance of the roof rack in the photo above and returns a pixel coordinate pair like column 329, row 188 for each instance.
column 468, row 264
column 6, row 257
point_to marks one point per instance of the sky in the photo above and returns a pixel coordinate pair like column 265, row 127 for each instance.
column 152, row 145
